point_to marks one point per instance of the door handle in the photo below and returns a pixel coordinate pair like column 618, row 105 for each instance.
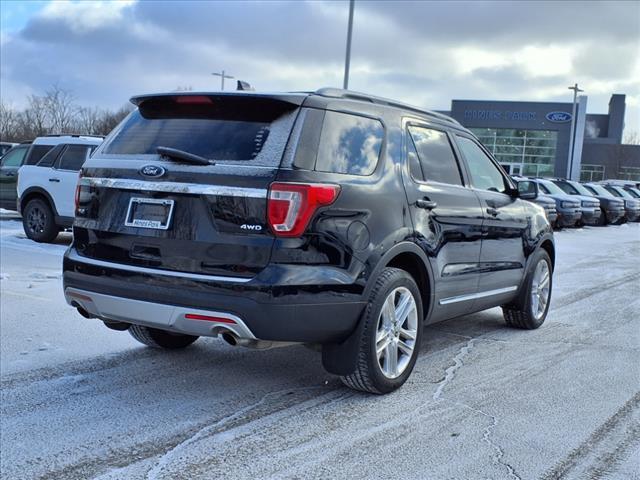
column 57, row 180
column 426, row 204
column 492, row 211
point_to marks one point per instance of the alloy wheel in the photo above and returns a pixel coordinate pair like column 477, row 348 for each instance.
column 36, row 220
column 540, row 289
column 396, row 332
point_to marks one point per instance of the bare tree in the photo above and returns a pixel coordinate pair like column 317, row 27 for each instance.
column 88, row 120
column 34, row 120
column 56, row 112
column 631, row 138
column 8, row 123
column 61, row 109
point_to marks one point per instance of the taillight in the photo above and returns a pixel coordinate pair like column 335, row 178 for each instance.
column 291, row 205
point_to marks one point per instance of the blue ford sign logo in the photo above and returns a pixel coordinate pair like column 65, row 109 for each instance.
column 152, row 171
column 558, row 117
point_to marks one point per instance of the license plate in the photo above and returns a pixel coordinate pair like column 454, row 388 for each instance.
column 149, row 213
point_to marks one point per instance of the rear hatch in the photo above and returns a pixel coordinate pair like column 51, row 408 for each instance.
column 170, row 211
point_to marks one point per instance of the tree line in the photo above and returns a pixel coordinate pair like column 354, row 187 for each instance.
column 55, row 112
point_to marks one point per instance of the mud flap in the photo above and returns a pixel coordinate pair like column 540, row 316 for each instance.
column 341, row 358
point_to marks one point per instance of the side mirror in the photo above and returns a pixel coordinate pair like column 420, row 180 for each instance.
column 527, row 190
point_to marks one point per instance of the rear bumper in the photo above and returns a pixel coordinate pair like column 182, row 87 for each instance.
column 310, row 313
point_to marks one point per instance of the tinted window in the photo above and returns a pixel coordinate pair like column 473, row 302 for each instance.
column 14, row 157
column 484, row 174
column 349, row 144
column 436, row 157
column 36, row 152
column 234, row 128
column 73, row 157
column 49, row 158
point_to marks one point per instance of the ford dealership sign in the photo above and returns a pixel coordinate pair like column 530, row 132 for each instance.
column 558, row 117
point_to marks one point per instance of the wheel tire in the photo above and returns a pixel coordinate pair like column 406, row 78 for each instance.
column 39, row 222
column 153, row 337
column 602, row 220
column 370, row 375
column 524, row 313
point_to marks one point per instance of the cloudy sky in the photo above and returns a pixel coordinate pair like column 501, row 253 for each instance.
column 425, row 53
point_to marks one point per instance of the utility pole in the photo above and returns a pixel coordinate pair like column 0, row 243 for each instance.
column 347, row 59
column 222, row 76
column 573, row 129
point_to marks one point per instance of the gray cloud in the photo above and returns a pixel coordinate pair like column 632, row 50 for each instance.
column 406, row 50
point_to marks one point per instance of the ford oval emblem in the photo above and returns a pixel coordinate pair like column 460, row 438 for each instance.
column 558, row 117
column 152, row 171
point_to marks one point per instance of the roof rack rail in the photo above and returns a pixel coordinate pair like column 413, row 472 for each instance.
column 72, row 135
column 351, row 95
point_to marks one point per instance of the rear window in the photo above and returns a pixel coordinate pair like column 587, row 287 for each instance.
column 223, row 129
column 349, row 144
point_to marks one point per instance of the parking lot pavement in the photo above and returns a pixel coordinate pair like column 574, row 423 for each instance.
column 484, row 401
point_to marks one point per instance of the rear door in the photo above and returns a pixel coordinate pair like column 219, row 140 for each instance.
column 504, row 228
column 9, row 166
column 447, row 218
column 139, row 208
column 64, row 177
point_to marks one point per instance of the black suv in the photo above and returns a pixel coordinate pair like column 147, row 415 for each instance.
column 329, row 218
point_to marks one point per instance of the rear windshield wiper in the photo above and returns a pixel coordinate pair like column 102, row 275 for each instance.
column 175, row 154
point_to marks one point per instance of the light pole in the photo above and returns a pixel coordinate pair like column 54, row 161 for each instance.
column 222, row 76
column 347, row 60
column 573, row 128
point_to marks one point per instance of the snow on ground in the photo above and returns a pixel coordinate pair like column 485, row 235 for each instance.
column 37, row 327
column 485, row 401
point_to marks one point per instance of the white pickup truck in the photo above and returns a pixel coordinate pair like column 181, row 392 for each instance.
column 46, row 189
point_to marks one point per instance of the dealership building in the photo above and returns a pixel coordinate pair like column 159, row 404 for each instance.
column 534, row 138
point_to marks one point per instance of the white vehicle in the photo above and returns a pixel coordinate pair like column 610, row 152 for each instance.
column 47, row 183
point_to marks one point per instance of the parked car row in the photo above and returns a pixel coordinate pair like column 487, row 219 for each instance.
column 577, row 204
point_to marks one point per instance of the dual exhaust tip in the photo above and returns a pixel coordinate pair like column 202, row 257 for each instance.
column 227, row 335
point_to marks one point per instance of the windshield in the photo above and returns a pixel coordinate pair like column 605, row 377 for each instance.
column 581, row 190
column 619, row 192
column 601, row 191
column 552, row 187
column 634, row 192
column 232, row 129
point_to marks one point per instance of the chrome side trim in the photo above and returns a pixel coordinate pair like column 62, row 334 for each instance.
column 73, row 255
column 473, row 296
column 174, row 187
column 156, row 315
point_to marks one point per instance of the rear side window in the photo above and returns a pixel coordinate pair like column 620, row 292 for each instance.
column 349, row 144
column 14, row 157
column 74, row 157
column 218, row 128
column 36, row 152
column 436, row 158
column 49, row 158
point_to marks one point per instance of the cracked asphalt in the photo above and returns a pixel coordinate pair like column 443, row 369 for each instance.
column 484, row 401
